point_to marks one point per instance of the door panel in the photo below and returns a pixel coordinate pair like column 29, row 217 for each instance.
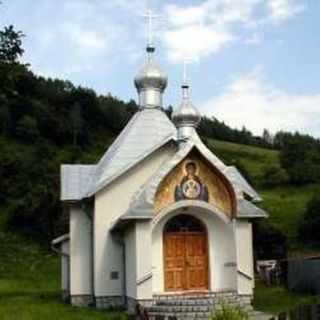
column 196, row 261
column 174, row 261
column 186, row 261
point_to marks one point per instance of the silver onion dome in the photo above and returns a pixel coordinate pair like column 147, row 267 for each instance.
column 150, row 76
column 186, row 115
column 150, row 82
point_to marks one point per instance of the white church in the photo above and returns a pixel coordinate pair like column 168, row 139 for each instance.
column 160, row 221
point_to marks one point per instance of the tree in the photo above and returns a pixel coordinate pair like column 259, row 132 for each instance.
column 4, row 119
column 310, row 225
column 267, row 137
column 10, row 45
column 275, row 176
column 76, row 122
column 27, row 128
column 300, row 157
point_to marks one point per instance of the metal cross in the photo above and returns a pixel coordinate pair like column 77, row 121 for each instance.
column 150, row 16
column 185, row 64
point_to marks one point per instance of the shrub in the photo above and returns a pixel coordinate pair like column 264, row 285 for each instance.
column 310, row 226
column 275, row 176
column 227, row 312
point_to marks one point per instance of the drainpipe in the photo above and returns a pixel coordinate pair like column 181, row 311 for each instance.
column 120, row 239
column 85, row 208
column 56, row 250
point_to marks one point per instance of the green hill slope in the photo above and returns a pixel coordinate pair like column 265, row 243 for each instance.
column 285, row 204
column 30, row 284
column 29, row 273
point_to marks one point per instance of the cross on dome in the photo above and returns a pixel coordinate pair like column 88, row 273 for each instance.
column 150, row 16
column 150, row 81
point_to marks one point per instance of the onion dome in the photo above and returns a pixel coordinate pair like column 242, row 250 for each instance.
column 150, row 82
column 150, row 76
column 186, row 116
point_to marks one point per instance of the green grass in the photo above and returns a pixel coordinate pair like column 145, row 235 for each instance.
column 29, row 273
column 277, row 299
column 30, row 284
column 254, row 159
column 285, row 204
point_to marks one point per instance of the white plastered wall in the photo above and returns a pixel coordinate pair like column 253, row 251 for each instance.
column 110, row 203
column 144, row 260
column 221, row 246
column 243, row 230
column 80, row 252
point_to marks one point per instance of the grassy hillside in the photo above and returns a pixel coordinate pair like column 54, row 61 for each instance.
column 285, row 204
column 30, row 284
column 29, row 273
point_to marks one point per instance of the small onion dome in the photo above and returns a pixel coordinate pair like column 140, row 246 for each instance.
column 150, row 76
column 186, row 115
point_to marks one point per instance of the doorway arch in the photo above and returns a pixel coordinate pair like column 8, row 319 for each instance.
column 185, row 252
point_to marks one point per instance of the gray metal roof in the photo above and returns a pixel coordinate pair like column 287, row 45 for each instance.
column 240, row 183
column 141, row 206
column 148, row 130
column 247, row 209
column 74, row 181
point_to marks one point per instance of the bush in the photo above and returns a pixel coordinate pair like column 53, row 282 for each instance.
column 275, row 176
column 227, row 312
column 310, row 226
column 270, row 243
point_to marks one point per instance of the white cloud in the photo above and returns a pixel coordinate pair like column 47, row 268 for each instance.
column 249, row 101
column 197, row 31
column 283, row 9
column 194, row 41
column 75, row 36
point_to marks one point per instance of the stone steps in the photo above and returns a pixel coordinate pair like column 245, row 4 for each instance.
column 253, row 315
column 197, row 306
column 193, row 306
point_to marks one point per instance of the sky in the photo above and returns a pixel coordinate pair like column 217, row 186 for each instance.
column 252, row 63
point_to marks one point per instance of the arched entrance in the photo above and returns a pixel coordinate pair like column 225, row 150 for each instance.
column 185, row 254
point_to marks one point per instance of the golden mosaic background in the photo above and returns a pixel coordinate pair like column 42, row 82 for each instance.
column 219, row 194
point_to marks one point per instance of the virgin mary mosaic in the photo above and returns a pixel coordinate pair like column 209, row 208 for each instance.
column 191, row 186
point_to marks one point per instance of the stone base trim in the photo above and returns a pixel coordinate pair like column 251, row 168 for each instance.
column 110, row 302
column 82, row 300
column 163, row 306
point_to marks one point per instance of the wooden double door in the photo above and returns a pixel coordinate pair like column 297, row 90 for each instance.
column 186, row 257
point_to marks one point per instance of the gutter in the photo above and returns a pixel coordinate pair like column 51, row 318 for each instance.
column 86, row 210
column 58, row 241
column 122, row 243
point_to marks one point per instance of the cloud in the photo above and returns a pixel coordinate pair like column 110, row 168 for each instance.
column 197, row 31
column 193, row 41
column 284, row 9
column 75, row 36
column 251, row 102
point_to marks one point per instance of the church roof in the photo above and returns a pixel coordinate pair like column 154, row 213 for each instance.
column 141, row 206
column 74, row 181
column 246, row 209
column 241, row 184
column 148, row 130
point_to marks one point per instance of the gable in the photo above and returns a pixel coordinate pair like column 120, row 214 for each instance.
column 208, row 184
column 147, row 131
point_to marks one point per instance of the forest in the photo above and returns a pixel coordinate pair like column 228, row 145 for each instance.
column 45, row 122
